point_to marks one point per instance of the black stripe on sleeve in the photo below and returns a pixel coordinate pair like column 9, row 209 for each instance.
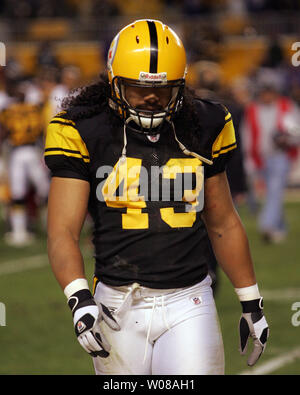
column 66, row 122
column 223, row 148
column 153, row 47
column 66, row 150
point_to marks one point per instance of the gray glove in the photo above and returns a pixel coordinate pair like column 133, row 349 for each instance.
column 253, row 324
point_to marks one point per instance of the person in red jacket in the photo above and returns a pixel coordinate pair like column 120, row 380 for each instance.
column 269, row 151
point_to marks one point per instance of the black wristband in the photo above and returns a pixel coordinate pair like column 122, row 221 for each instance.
column 79, row 299
column 250, row 306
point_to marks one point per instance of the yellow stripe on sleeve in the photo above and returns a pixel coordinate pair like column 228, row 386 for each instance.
column 226, row 140
column 63, row 139
column 227, row 116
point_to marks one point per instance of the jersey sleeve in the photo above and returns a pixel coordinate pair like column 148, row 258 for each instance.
column 66, row 154
column 223, row 148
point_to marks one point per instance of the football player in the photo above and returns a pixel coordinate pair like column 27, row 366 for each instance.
column 22, row 129
column 147, row 160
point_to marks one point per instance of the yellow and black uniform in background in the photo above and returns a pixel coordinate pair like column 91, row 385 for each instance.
column 22, row 123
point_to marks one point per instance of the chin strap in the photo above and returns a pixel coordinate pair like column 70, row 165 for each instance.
column 122, row 158
column 187, row 152
column 123, row 155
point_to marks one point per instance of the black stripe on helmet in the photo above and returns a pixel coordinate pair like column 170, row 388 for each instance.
column 153, row 47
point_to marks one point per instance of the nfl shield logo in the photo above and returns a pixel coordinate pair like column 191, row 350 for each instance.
column 196, row 300
column 81, row 326
column 153, row 139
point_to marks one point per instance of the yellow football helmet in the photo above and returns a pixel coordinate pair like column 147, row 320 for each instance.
column 146, row 53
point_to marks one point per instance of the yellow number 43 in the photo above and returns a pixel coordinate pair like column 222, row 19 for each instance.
column 121, row 190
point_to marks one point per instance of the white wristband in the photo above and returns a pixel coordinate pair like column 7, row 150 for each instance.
column 248, row 293
column 76, row 285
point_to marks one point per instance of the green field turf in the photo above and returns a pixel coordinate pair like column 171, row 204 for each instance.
column 38, row 337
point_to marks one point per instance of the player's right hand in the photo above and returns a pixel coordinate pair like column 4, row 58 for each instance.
column 87, row 316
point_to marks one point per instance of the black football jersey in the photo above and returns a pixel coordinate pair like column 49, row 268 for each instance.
column 146, row 205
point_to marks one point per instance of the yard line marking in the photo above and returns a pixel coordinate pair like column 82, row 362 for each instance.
column 274, row 363
column 32, row 262
column 23, row 264
column 281, row 294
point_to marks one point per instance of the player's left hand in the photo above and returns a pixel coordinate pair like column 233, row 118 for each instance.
column 253, row 324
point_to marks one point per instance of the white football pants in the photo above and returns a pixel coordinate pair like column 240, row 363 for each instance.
column 174, row 331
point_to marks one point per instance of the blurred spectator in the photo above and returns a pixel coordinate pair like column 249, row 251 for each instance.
column 292, row 81
column 274, row 56
column 204, row 41
column 236, row 174
column 10, row 74
column 209, row 86
column 207, row 79
column 4, row 97
column 46, row 56
column 242, row 91
column 70, row 78
column 47, row 80
column 22, row 128
column 266, row 159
